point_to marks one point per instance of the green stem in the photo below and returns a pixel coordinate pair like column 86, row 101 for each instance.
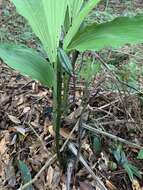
column 67, row 81
column 57, row 107
column 66, row 93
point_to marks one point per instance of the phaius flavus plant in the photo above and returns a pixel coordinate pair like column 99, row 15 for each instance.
column 60, row 26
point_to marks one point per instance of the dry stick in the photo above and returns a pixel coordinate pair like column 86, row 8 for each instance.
column 82, row 160
column 49, row 162
column 88, row 127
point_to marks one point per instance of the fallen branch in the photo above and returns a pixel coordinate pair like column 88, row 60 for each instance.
column 88, row 127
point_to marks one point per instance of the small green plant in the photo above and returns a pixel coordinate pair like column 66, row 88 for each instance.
column 60, row 26
column 140, row 155
column 122, row 160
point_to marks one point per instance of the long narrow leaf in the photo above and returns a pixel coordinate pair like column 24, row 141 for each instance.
column 25, row 174
column 46, row 18
column 78, row 21
column 74, row 7
column 27, row 62
column 120, row 31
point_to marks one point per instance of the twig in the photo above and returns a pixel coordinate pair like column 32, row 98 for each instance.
column 88, row 127
column 82, row 160
column 40, row 139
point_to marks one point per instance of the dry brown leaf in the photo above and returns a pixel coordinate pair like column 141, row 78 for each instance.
column 14, row 119
column 4, row 156
column 136, row 185
column 65, row 132
column 51, row 130
column 50, row 175
column 110, row 185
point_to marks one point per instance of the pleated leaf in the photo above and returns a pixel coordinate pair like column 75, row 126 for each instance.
column 46, row 18
column 27, row 62
column 78, row 21
column 74, row 7
column 120, row 31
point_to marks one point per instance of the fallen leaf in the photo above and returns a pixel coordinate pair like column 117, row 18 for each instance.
column 136, row 185
column 65, row 132
column 14, row 119
column 50, row 175
column 110, row 185
column 51, row 130
column 21, row 130
column 26, row 109
column 4, row 156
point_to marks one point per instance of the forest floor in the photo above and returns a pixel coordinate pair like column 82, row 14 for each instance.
column 26, row 131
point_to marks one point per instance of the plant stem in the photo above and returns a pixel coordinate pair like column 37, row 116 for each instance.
column 67, row 81
column 66, row 93
column 57, row 107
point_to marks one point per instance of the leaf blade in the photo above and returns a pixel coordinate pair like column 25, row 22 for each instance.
column 113, row 34
column 25, row 174
column 46, row 20
column 78, row 21
column 27, row 62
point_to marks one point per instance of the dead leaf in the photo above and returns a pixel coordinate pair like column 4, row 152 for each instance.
column 26, row 109
column 14, row 119
column 51, row 130
column 110, row 185
column 136, row 185
column 21, row 130
column 65, row 132
column 50, row 175
column 4, row 156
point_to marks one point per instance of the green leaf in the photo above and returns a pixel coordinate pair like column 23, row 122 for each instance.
column 120, row 156
column 46, row 18
column 132, row 171
column 74, row 8
column 96, row 143
column 135, row 171
column 27, row 62
column 116, row 33
column 89, row 70
column 65, row 61
column 25, row 174
column 78, row 21
column 129, row 171
column 140, row 155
